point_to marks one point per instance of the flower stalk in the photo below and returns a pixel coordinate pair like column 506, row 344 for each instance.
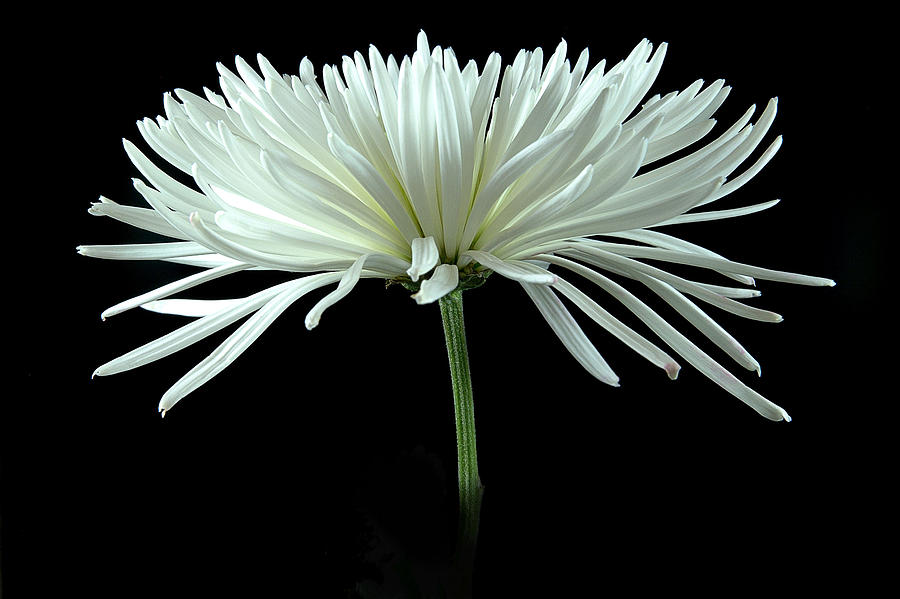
column 470, row 488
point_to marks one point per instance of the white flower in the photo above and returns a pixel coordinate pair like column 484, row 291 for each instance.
column 420, row 170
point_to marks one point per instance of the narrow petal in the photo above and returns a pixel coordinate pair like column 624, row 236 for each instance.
column 650, row 274
column 697, row 217
column 512, row 269
column 568, row 331
column 618, row 329
column 505, row 176
column 237, row 342
column 722, row 264
column 194, row 308
column 348, row 281
column 678, row 342
column 143, row 251
column 142, row 218
column 173, row 288
column 662, row 240
column 202, row 328
column 625, row 218
column 208, row 261
column 369, row 178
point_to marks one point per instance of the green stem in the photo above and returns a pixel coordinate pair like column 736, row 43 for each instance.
column 470, row 488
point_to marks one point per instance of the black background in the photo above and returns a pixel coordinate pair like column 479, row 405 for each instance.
column 324, row 459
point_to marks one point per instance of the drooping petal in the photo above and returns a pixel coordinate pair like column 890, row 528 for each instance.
column 444, row 280
column 200, row 329
column 237, row 343
column 618, row 329
column 678, row 342
column 568, row 331
column 348, row 281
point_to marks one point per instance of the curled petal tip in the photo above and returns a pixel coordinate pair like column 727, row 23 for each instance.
column 787, row 417
column 162, row 412
column 672, row 369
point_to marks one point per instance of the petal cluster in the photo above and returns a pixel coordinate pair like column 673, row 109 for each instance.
column 425, row 170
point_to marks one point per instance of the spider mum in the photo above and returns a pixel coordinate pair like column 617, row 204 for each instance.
column 434, row 174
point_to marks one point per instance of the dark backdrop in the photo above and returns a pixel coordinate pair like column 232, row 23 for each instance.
column 325, row 460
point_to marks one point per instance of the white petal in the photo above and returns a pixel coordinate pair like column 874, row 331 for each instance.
column 239, row 341
column 646, row 273
column 369, row 178
column 191, row 307
column 444, row 280
column 207, row 261
column 662, row 240
column 425, row 256
column 684, row 347
column 620, row 219
column 751, row 172
column 348, row 281
column 512, row 269
column 570, row 333
column 201, row 328
column 391, row 265
column 173, row 288
column 182, row 198
column 617, row 328
column 142, row 218
column 143, row 251
column 722, row 264
column 505, row 176
column 697, row 217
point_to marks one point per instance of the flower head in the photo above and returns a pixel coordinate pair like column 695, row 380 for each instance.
column 422, row 170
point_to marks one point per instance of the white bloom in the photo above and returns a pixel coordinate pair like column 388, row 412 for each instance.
column 421, row 170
